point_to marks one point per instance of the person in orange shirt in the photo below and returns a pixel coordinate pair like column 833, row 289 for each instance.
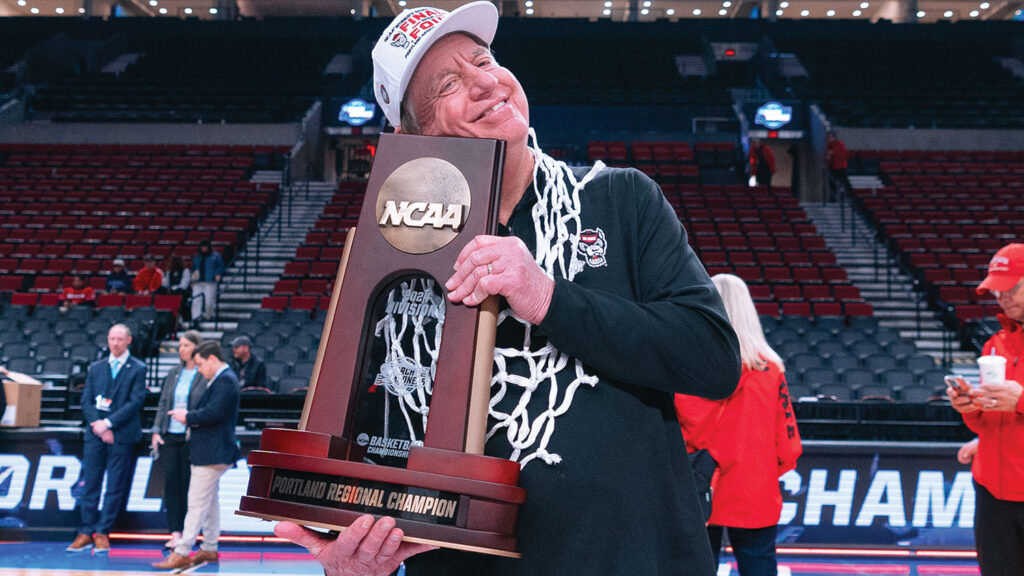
column 150, row 278
column 78, row 293
column 753, row 437
column 995, row 412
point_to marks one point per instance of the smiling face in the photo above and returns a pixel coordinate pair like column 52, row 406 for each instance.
column 459, row 90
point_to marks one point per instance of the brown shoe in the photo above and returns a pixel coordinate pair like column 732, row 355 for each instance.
column 102, row 543
column 173, row 562
column 82, row 543
column 205, row 556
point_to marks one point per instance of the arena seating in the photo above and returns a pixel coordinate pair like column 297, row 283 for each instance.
column 884, row 82
column 943, row 214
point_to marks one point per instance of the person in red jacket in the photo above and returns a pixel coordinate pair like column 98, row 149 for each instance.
column 836, row 161
column 995, row 412
column 150, row 278
column 762, row 163
column 753, row 437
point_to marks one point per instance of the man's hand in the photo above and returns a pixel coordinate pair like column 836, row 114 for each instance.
column 178, row 414
column 491, row 265
column 960, row 402
column 99, row 427
column 966, row 452
column 363, row 549
column 156, row 441
column 1002, row 397
column 107, row 436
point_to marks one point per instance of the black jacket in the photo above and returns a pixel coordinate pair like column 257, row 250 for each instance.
column 212, row 425
column 644, row 317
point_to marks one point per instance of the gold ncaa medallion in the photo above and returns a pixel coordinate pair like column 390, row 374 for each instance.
column 422, row 205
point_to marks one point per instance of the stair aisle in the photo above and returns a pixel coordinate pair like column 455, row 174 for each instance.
column 881, row 282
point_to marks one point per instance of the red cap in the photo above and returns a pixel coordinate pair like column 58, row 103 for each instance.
column 1005, row 269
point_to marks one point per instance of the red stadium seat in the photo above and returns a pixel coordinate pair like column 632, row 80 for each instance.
column 110, row 301
column 303, row 302
column 278, row 303
column 24, row 299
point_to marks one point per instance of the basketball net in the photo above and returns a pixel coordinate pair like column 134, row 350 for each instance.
column 556, row 219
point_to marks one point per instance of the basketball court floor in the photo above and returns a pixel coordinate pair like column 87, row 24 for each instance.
column 264, row 556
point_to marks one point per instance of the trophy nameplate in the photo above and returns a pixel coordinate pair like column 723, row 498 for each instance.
column 390, row 337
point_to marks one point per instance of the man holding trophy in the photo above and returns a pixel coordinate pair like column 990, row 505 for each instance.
column 605, row 313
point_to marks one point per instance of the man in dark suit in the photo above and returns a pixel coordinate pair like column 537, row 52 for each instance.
column 115, row 388
column 212, row 450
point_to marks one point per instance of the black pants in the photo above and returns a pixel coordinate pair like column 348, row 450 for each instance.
column 838, row 180
column 998, row 534
column 754, row 548
column 174, row 455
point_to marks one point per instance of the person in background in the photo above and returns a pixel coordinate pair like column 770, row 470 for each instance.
column 836, row 161
column 79, row 292
column 995, row 412
column 182, row 388
column 250, row 370
column 150, row 278
column 118, row 280
column 213, row 449
column 753, row 437
column 115, row 388
column 207, row 268
column 177, row 280
column 762, row 163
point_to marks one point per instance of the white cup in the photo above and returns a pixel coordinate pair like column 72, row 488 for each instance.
column 993, row 369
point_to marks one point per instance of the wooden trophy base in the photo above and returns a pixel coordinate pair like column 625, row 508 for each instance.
column 443, row 498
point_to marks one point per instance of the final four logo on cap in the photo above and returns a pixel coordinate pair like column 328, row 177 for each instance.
column 410, row 35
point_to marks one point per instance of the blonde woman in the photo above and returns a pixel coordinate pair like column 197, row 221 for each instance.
column 753, row 437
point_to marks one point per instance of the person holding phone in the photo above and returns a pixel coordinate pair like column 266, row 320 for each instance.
column 994, row 410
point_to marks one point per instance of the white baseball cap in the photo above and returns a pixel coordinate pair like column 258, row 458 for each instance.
column 410, row 35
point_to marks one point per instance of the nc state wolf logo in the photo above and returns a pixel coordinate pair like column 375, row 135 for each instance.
column 399, row 40
column 592, row 246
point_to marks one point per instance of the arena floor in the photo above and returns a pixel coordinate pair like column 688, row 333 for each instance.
column 132, row 558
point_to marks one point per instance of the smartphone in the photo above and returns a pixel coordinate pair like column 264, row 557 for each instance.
column 957, row 383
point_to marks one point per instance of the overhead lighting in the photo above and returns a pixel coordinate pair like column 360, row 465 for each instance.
column 22, row 3
column 856, row 12
column 784, row 5
column 153, row 2
column 34, row 10
column 778, row 12
column 726, row 4
column 163, row 10
column 402, row 3
column 644, row 12
column 830, row 13
column 529, row 11
column 670, row 12
column 188, row 11
column 58, row 10
column 696, row 11
column 606, row 12
column 607, row 4
column 974, row 13
column 864, row 5
column 948, row 13
column 805, row 13
column 920, row 13
column 528, row 3
column 647, row 3
column 984, row 5
column 81, row 10
column 723, row 12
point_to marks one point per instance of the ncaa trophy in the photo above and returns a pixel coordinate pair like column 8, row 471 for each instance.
column 393, row 351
